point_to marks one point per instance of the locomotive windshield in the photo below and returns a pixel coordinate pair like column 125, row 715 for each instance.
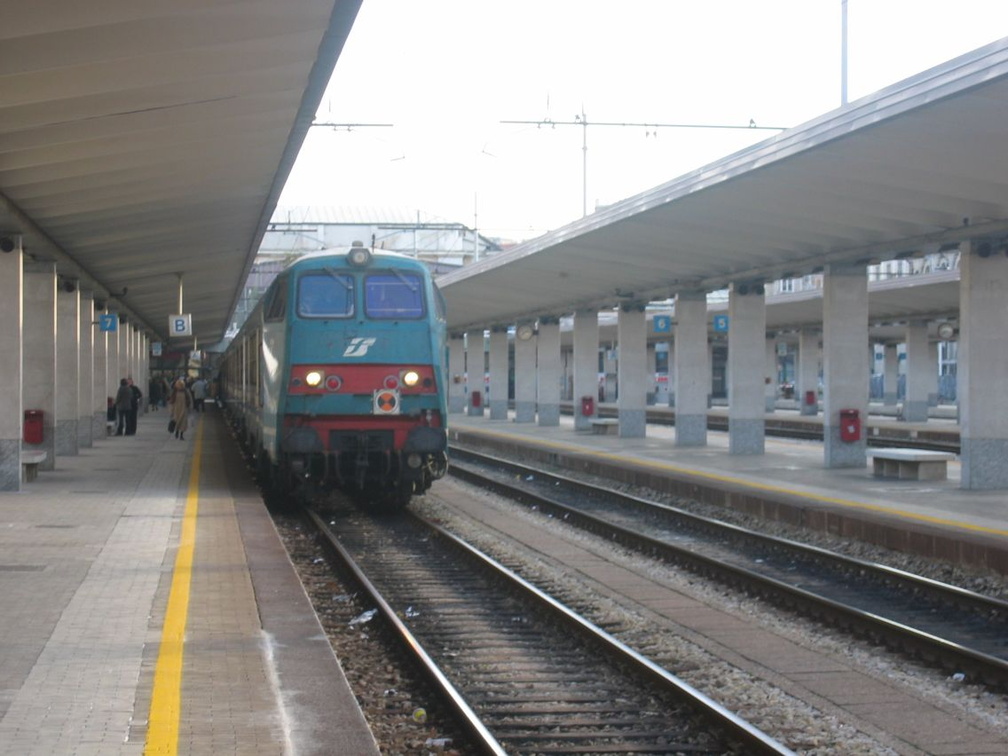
column 393, row 296
column 325, row 294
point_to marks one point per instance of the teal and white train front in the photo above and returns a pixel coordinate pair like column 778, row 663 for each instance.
column 339, row 377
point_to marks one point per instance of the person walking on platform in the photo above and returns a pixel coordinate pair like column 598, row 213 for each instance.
column 181, row 402
column 199, row 392
column 135, row 396
column 123, row 402
column 154, row 394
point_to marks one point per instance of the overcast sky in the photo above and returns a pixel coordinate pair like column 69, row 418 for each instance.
column 445, row 73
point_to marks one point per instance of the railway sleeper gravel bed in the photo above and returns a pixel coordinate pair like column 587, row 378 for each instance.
column 535, row 684
column 796, row 722
column 964, row 631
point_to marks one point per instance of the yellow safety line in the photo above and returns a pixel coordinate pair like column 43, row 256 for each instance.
column 746, row 482
column 166, row 697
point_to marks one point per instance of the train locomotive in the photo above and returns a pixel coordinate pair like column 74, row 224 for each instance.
column 337, row 379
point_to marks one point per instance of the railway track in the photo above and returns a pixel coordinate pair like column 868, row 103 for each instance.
column 963, row 632
column 523, row 673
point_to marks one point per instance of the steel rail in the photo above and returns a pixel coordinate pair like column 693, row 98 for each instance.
column 991, row 669
column 737, row 730
column 470, row 721
column 754, row 740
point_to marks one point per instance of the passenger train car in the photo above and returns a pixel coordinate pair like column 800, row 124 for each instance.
column 337, row 378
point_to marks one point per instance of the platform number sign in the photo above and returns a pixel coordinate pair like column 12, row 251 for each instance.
column 662, row 324
column 180, row 325
column 721, row 323
column 109, row 322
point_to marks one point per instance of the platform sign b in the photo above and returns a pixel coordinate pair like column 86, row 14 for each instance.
column 180, row 325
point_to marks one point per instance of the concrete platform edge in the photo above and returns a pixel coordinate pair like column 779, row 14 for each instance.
column 322, row 715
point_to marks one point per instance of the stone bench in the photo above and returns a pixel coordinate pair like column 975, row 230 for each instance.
column 910, row 464
column 30, row 461
column 605, row 426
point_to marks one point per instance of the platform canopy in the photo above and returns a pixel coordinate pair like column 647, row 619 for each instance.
column 141, row 141
column 912, row 169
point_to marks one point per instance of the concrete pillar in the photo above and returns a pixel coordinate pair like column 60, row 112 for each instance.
column 40, row 378
column 548, row 373
column 692, row 377
column 933, row 369
column 525, row 373
column 982, row 366
column 770, row 379
column 919, row 379
column 631, row 332
column 68, row 369
column 100, row 386
column 11, row 340
column 651, row 371
column 845, row 361
column 474, row 372
column 746, row 385
column 85, row 393
column 456, row 374
column 671, row 374
column 144, row 369
column 890, row 374
column 112, row 358
column 498, row 373
column 586, row 367
column 808, row 370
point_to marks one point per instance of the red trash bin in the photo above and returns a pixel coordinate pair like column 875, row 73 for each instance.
column 850, row 425
column 33, row 426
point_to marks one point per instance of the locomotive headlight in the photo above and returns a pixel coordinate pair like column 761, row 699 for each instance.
column 359, row 256
column 411, row 378
column 313, row 378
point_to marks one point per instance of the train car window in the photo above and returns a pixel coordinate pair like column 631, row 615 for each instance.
column 326, row 294
column 393, row 296
column 277, row 305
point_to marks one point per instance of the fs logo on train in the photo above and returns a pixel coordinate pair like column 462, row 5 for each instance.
column 359, row 346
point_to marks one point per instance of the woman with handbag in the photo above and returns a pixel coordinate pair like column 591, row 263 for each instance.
column 181, row 402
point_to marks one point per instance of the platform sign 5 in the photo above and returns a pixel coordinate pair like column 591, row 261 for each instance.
column 108, row 322
column 662, row 324
column 180, row 325
column 721, row 323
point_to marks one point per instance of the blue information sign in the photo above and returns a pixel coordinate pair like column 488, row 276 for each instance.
column 108, row 322
column 662, row 324
column 721, row 323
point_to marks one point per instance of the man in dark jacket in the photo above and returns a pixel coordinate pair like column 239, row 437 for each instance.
column 123, row 401
column 131, row 418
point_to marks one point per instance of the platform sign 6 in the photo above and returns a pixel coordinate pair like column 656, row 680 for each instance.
column 108, row 322
column 662, row 324
column 180, row 325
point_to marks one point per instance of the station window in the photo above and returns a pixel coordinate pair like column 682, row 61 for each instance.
column 394, row 296
column 325, row 294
